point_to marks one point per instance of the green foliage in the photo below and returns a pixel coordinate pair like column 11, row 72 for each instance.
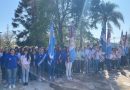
column 35, row 21
column 105, row 14
column 35, row 17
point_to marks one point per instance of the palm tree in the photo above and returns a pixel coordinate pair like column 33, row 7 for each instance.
column 105, row 14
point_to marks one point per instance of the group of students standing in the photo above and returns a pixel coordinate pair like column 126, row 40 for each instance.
column 93, row 59
column 33, row 63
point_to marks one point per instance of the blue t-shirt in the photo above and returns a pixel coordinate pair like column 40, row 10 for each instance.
column 12, row 61
column 57, row 55
column 4, row 59
column 63, row 55
column 39, row 57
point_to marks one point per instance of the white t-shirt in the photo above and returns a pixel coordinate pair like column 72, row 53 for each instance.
column 24, row 60
column 93, row 53
column 118, row 53
column 113, row 56
column 97, row 56
column 87, row 53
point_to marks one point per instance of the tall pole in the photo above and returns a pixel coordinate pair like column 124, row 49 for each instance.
column 8, row 39
column 0, row 40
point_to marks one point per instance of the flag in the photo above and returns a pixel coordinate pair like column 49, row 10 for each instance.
column 51, row 42
column 103, row 40
column 72, row 52
column 42, row 60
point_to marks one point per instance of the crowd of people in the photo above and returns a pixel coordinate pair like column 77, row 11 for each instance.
column 33, row 63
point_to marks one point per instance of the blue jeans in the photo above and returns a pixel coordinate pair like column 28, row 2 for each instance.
column 51, row 70
column 25, row 74
column 119, row 63
column 39, row 71
column 4, row 73
column 96, row 65
column 87, row 64
column 12, row 76
column 108, row 64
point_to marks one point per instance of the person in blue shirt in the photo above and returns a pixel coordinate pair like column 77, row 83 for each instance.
column 51, row 62
column 32, row 64
column 3, row 66
column 18, row 52
column 57, row 58
column 12, row 61
column 39, row 63
column 63, row 58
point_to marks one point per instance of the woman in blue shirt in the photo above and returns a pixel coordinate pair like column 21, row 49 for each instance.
column 12, row 60
column 3, row 66
column 39, row 63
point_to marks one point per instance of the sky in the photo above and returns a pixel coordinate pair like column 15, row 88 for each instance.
column 8, row 7
column 124, row 8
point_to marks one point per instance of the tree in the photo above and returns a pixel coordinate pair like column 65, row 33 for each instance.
column 105, row 13
column 34, row 19
column 7, row 39
column 61, row 17
column 80, row 14
column 23, row 17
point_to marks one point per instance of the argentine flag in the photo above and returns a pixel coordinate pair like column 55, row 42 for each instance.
column 72, row 51
column 72, row 54
column 51, row 46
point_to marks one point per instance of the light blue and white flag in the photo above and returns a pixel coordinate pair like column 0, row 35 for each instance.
column 72, row 51
column 51, row 46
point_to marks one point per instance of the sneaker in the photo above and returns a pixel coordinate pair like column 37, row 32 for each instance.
column 27, row 84
column 70, row 78
column 39, row 80
column 54, row 78
column 6, row 85
column 10, row 87
column 13, row 86
column 50, row 78
column 43, row 79
column 20, row 81
column 24, row 84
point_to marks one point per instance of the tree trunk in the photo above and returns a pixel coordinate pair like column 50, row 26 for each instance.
column 60, row 34
column 104, row 30
column 81, row 38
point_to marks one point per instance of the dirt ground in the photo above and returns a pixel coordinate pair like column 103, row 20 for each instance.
column 114, row 80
